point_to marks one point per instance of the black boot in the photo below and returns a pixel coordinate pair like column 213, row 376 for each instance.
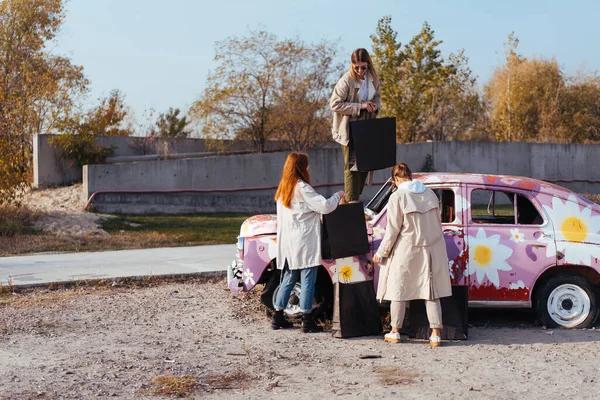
column 279, row 321
column 309, row 324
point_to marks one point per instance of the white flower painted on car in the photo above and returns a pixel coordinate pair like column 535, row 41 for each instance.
column 271, row 242
column 516, row 236
column 249, row 277
column 518, row 285
column 450, row 265
column 346, row 270
column 461, row 204
column 378, row 232
column 573, row 227
column 487, row 256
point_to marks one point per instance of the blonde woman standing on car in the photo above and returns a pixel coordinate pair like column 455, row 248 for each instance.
column 355, row 97
column 413, row 251
column 299, row 209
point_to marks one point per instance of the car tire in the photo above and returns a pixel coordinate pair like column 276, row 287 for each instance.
column 267, row 294
column 322, row 302
column 567, row 301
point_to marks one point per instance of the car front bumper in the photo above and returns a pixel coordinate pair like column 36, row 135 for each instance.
column 234, row 276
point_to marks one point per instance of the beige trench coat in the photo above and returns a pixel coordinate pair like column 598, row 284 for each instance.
column 299, row 227
column 345, row 104
column 415, row 262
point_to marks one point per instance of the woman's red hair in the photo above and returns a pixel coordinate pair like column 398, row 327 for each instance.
column 295, row 167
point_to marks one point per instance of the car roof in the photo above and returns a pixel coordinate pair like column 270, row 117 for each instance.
column 509, row 181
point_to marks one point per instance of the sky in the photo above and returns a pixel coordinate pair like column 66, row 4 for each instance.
column 159, row 52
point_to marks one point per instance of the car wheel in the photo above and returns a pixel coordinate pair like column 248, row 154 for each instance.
column 293, row 306
column 322, row 307
column 567, row 301
column 267, row 295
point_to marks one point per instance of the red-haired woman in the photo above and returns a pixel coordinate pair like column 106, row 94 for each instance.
column 299, row 210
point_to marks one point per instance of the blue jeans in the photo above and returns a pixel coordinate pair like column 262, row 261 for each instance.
column 308, row 277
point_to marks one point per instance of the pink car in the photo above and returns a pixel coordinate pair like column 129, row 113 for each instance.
column 516, row 242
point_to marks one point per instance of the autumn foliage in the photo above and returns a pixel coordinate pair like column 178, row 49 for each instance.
column 36, row 87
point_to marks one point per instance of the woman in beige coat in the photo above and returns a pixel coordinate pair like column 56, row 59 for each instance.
column 413, row 250
column 355, row 97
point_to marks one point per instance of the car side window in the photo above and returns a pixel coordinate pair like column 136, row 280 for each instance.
column 447, row 207
column 492, row 207
column 498, row 207
column 527, row 214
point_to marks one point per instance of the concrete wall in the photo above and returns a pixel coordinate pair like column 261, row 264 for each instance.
column 569, row 165
column 553, row 162
column 50, row 168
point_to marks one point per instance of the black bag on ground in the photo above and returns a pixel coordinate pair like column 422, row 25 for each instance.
column 356, row 312
column 345, row 231
column 455, row 316
column 374, row 143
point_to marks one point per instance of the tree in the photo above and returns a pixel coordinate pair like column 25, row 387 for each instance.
column 146, row 138
column 388, row 58
column 35, row 87
column 301, row 113
column 579, row 109
column 106, row 119
column 171, row 125
column 431, row 98
column 523, row 97
column 265, row 89
column 79, row 131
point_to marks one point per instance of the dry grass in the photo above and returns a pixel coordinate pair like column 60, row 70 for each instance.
column 248, row 306
column 395, row 376
column 16, row 221
column 39, row 298
column 17, row 297
column 172, row 385
column 227, row 381
column 41, row 243
column 6, row 290
column 125, row 233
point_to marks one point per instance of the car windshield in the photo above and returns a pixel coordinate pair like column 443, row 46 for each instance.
column 381, row 198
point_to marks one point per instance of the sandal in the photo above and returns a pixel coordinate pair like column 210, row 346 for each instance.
column 435, row 341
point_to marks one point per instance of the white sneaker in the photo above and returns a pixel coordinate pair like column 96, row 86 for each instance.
column 435, row 341
column 392, row 337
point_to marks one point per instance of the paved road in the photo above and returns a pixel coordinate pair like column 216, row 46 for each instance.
column 40, row 269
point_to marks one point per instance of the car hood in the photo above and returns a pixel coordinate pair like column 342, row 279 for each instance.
column 256, row 225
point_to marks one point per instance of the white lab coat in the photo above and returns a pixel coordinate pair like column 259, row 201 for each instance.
column 299, row 227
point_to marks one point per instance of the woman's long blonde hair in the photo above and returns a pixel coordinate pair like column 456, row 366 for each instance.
column 362, row 55
column 295, row 167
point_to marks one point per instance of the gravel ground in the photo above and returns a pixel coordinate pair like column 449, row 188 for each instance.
column 116, row 342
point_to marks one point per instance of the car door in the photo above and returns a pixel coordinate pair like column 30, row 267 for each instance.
column 452, row 208
column 504, row 251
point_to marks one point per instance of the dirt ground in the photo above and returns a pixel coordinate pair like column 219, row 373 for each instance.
column 119, row 342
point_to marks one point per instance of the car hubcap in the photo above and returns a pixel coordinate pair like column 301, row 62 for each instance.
column 568, row 305
column 293, row 306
